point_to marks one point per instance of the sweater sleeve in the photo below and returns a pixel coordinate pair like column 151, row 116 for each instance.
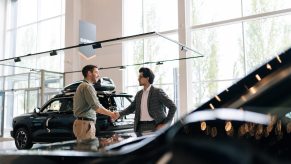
column 91, row 98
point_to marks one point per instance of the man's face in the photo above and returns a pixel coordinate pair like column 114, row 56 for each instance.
column 94, row 76
column 142, row 80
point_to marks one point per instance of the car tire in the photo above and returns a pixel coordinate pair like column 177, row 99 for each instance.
column 23, row 139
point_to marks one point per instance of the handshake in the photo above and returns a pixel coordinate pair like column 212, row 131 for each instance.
column 114, row 116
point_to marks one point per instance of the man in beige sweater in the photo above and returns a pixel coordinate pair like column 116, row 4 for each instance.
column 86, row 105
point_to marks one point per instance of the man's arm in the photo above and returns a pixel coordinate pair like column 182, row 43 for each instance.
column 130, row 109
column 107, row 112
column 164, row 99
column 93, row 101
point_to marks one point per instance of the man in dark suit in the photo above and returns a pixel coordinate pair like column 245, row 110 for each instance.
column 149, row 105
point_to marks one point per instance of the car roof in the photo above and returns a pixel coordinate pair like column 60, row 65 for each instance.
column 105, row 93
column 104, row 86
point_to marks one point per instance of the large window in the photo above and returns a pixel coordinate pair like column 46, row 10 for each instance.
column 151, row 50
column 252, row 7
column 223, row 61
column 208, row 11
column 34, row 26
column 141, row 16
column 265, row 38
column 236, row 37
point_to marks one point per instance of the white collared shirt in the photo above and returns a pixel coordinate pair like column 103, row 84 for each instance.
column 144, row 112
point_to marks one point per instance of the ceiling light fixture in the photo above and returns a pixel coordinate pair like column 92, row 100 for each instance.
column 17, row 59
column 96, row 45
column 53, row 53
column 159, row 63
column 122, row 67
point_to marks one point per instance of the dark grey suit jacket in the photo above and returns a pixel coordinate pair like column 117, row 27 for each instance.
column 157, row 101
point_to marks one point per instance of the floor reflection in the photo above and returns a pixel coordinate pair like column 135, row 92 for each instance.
column 93, row 145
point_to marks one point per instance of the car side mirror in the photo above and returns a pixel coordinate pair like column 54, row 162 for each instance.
column 36, row 110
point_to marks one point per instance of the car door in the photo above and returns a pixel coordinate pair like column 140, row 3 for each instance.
column 40, row 133
column 59, row 125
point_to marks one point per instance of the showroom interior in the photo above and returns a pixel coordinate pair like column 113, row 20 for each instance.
column 196, row 48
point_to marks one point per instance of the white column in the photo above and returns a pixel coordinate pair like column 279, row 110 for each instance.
column 72, row 59
column 107, row 16
column 185, row 70
column 42, row 87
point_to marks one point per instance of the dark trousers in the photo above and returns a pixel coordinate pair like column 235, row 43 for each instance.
column 144, row 127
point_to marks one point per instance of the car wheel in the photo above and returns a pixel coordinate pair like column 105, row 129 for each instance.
column 23, row 139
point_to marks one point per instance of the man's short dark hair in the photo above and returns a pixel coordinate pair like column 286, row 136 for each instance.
column 88, row 68
column 147, row 73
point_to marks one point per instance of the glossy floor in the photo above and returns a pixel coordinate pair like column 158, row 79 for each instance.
column 7, row 144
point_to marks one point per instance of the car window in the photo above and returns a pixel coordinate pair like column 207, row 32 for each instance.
column 59, row 105
column 122, row 102
column 66, row 105
column 105, row 100
column 53, row 106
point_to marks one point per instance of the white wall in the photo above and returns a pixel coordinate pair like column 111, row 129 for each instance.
column 107, row 16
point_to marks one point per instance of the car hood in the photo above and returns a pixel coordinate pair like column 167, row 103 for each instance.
column 24, row 115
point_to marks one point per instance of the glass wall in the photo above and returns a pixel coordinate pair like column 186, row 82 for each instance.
column 141, row 16
column 34, row 26
column 222, row 63
column 252, row 7
column 236, row 37
column 23, row 92
column 209, row 11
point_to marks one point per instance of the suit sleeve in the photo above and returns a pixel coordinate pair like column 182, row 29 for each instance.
column 165, row 100
column 130, row 109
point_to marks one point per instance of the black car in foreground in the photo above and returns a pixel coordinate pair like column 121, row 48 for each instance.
column 53, row 122
column 249, row 122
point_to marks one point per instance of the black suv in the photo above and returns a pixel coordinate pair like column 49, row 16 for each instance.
column 53, row 122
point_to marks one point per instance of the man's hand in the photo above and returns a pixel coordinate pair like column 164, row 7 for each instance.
column 159, row 126
column 115, row 116
column 107, row 112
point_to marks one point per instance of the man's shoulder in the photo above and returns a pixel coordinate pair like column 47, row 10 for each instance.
column 156, row 89
column 84, row 85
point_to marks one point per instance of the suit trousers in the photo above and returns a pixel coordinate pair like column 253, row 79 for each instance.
column 145, row 127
